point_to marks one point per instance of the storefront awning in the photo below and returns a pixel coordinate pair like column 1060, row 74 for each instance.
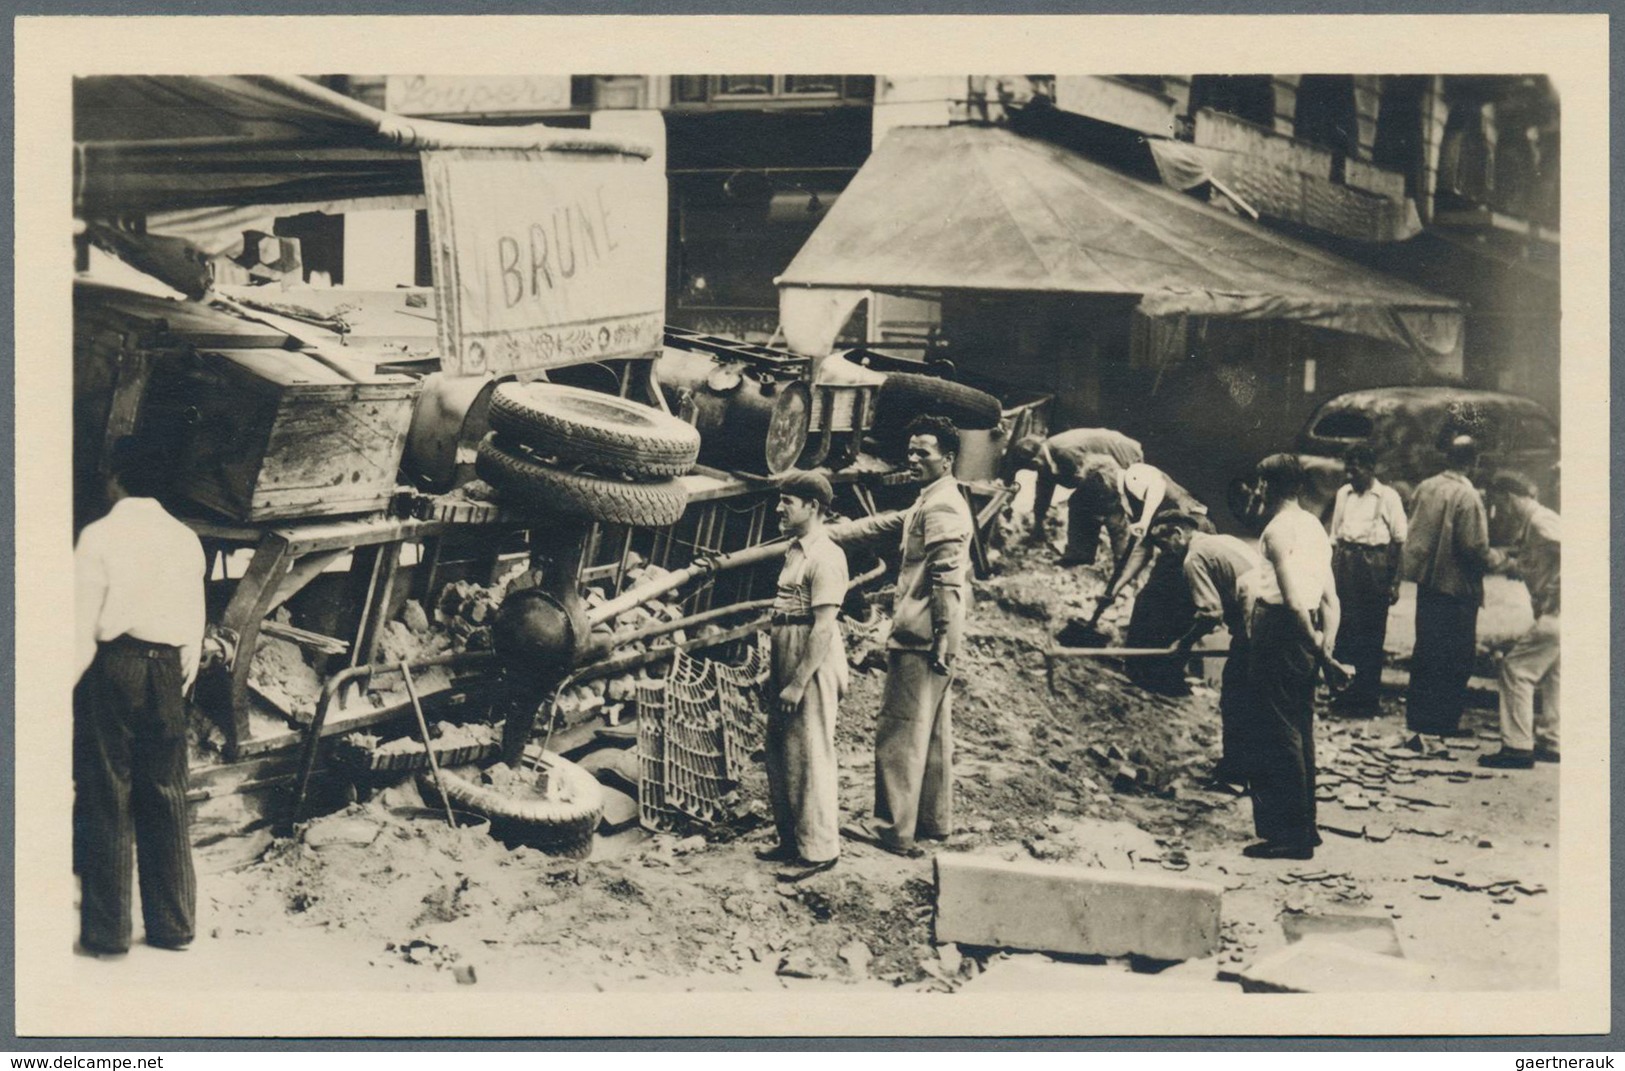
column 147, row 144
column 939, row 209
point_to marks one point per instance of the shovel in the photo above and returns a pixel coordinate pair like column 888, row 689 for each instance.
column 1089, row 634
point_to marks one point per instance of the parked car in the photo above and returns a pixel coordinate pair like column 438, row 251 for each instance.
column 1408, row 427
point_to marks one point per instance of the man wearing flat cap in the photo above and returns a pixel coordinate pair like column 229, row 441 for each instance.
column 809, row 675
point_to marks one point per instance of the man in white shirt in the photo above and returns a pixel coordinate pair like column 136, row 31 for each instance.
column 1294, row 630
column 139, row 616
column 1368, row 536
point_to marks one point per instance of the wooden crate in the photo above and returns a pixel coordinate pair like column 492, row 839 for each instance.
column 276, row 434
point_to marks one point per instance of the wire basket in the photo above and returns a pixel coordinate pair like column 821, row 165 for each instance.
column 653, row 814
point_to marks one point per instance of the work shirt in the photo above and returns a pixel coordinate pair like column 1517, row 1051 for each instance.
column 1373, row 519
column 1214, row 567
column 933, row 580
column 1448, row 548
column 138, row 572
column 1070, row 454
column 814, row 574
column 1540, row 551
column 1302, row 546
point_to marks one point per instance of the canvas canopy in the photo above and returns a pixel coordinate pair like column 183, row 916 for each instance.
column 151, row 144
column 940, row 209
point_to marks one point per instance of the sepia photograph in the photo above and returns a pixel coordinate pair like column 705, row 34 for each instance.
column 940, row 552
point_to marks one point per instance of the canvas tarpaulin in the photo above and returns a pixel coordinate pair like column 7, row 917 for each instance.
column 968, row 208
column 163, row 143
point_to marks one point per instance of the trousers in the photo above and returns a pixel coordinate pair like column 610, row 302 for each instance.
column 1364, row 581
column 1532, row 664
column 1282, row 737
column 802, row 775
column 1163, row 611
column 1446, row 637
column 914, row 751
column 130, row 790
column 1235, row 709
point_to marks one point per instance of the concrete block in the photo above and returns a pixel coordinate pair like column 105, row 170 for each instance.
column 620, row 811
column 1373, row 933
column 1321, row 965
column 1048, row 908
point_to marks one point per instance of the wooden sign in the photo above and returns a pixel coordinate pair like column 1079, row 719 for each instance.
column 544, row 259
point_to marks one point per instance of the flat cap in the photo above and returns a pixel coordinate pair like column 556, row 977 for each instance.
column 812, row 486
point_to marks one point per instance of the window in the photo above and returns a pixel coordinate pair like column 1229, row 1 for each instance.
column 1325, row 114
column 690, row 88
column 1245, row 96
column 823, row 85
column 700, row 88
column 1343, row 424
column 745, row 85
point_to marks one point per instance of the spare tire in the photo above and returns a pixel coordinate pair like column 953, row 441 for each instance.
column 906, row 395
column 578, row 494
column 587, row 427
column 563, row 825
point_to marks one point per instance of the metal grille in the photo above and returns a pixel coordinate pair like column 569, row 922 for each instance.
column 653, row 814
column 697, row 781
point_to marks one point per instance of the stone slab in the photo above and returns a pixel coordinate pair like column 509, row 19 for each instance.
column 1373, row 933
column 1321, row 965
column 1075, row 910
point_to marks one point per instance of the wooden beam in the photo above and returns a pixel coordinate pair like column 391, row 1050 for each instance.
column 244, row 615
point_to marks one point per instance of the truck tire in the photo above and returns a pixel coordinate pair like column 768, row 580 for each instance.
column 579, row 494
column 587, row 427
column 553, row 826
column 906, row 395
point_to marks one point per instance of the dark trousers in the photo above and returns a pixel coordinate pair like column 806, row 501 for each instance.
column 1163, row 612
column 1235, row 710
column 130, row 793
column 1446, row 638
column 1364, row 581
column 1282, row 728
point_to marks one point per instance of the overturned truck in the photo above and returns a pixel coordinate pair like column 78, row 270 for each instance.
column 510, row 495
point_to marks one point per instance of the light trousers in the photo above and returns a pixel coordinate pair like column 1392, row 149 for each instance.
column 914, row 751
column 1532, row 664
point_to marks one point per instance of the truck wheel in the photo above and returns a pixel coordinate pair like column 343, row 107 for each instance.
column 558, row 827
column 586, row 427
column 579, row 494
column 905, row 395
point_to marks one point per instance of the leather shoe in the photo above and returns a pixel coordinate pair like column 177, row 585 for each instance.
column 804, row 869
column 779, row 853
column 1546, row 754
column 1266, row 849
column 1508, row 759
column 865, row 835
column 170, row 946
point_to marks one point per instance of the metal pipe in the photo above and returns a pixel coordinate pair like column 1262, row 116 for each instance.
column 643, row 593
column 663, row 627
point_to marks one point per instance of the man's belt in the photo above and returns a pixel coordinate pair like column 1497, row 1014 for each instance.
column 791, row 619
column 140, row 648
column 1364, row 548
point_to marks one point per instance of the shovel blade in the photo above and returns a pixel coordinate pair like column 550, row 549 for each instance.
column 1082, row 634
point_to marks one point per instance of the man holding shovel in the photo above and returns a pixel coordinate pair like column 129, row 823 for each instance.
column 1144, row 495
column 1213, row 568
